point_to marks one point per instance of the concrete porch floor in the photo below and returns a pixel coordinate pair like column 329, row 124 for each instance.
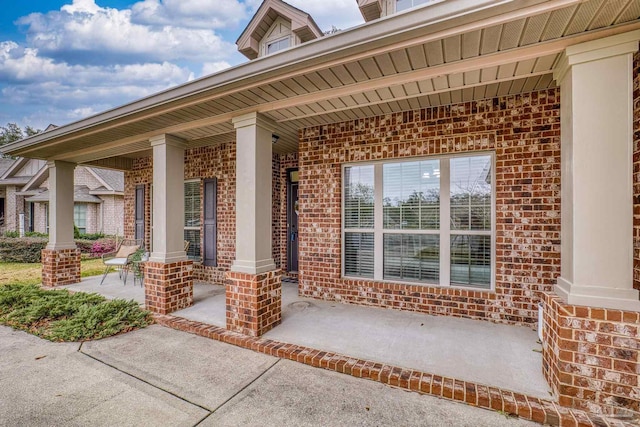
column 498, row 355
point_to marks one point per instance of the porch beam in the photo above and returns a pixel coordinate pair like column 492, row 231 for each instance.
column 596, row 81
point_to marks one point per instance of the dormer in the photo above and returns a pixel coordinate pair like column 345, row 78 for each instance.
column 374, row 9
column 276, row 26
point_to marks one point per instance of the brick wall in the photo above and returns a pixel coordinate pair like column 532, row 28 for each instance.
column 524, row 133
column 636, row 171
column 113, row 215
column 60, row 267
column 254, row 302
column 219, row 162
column 591, row 357
column 205, row 162
column 40, row 224
column 282, row 163
column 92, row 217
column 168, row 287
column 81, row 176
column 140, row 174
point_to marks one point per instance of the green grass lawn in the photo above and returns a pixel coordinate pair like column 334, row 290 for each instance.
column 31, row 274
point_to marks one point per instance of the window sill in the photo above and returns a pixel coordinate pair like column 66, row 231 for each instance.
column 421, row 284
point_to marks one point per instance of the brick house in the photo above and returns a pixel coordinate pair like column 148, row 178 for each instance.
column 98, row 200
column 460, row 158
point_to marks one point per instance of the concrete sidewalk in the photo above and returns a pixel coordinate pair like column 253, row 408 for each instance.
column 162, row 377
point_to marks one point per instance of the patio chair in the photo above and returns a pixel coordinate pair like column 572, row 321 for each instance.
column 121, row 258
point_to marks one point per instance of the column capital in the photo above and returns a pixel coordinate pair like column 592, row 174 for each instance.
column 56, row 163
column 167, row 139
column 254, row 119
column 607, row 47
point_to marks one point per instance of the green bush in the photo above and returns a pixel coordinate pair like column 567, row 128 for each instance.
column 35, row 234
column 76, row 232
column 25, row 250
column 12, row 234
column 95, row 236
column 84, row 245
column 63, row 316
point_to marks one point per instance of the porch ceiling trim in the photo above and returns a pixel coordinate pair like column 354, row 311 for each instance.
column 513, row 57
column 394, row 32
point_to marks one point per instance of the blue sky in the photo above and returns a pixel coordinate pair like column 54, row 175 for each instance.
column 61, row 61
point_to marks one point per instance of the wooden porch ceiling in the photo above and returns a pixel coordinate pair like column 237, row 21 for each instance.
column 437, row 64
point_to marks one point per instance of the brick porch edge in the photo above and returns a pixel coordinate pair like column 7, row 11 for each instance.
column 530, row 408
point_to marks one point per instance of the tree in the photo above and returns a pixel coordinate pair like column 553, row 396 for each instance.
column 12, row 133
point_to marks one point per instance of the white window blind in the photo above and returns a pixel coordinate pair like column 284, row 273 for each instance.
column 192, row 203
column 427, row 221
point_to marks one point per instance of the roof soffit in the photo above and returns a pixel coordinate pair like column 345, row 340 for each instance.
column 349, row 46
column 302, row 24
column 370, row 9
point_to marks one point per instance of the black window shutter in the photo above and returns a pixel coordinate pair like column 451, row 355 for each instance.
column 210, row 222
column 139, row 231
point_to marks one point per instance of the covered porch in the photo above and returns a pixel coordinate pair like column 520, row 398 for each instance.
column 519, row 82
column 501, row 356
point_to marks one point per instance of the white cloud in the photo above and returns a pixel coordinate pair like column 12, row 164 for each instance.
column 205, row 14
column 342, row 14
column 85, row 32
column 213, row 67
column 78, row 90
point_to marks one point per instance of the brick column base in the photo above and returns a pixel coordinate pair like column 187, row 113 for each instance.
column 60, row 267
column 590, row 358
column 254, row 302
column 168, row 287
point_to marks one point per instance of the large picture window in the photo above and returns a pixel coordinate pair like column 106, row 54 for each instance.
column 428, row 221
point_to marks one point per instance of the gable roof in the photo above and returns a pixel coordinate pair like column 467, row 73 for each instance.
column 5, row 164
column 302, row 24
column 113, row 180
column 13, row 167
column 81, row 194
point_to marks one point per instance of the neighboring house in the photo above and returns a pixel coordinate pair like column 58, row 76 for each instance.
column 460, row 157
column 98, row 200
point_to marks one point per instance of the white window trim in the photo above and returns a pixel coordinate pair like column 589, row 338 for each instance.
column 278, row 40
column 428, row 3
column 444, row 231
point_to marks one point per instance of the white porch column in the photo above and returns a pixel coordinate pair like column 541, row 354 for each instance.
column 596, row 80
column 253, row 194
column 168, row 199
column 60, row 205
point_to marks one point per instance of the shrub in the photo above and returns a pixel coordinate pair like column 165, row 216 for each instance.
column 63, row 316
column 11, row 234
column 35, row 234
column 27, row 249
column 95, row 236
column 103, row 246
column 76, row 232
column 84, row 245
